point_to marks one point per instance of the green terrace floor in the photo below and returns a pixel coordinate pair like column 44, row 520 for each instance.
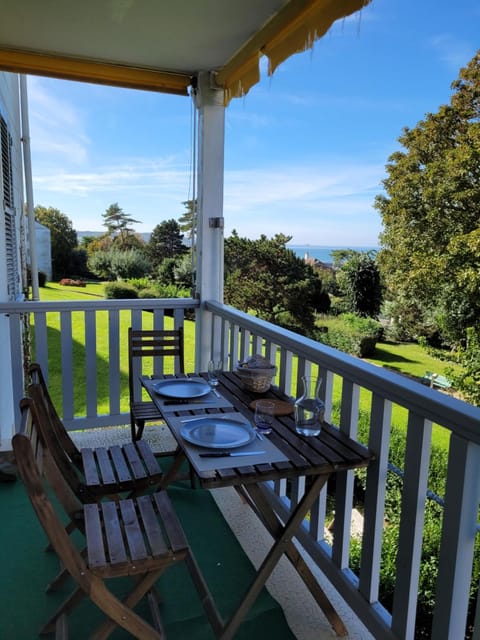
column 27, row 568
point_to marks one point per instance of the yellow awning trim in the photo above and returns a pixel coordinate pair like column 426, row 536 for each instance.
column 312, row 25
column 294, row 29
column 93, row 71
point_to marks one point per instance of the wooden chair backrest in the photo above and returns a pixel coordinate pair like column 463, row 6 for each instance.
column 156, row 343
column 56, row 424
column 48, row 428
column 34, row 463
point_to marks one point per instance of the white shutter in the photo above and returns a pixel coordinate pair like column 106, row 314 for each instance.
column 13, row 273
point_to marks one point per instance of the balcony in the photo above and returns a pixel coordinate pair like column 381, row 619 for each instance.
column 234, row 335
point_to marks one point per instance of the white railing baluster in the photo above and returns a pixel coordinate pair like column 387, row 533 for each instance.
column 41, row 340
column 66, row 357
column 114, row 360
column 460, row 520
column 91, row 362
column 417, row 456
column 344, row 480
column 374, row 504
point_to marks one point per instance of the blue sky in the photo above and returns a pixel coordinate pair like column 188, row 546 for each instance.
column 305, row 150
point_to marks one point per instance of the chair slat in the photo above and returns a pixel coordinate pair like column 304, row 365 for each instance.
column 116, row 551
column 105, row 466
column 153, row 530
column 134, row 461
column 90, row 468
column 93, row 532
column 150, row 461
column 174, row 531
column 118, row 460
column 133, row 531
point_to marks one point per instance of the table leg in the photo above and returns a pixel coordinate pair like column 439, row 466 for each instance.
column 283, row 537
column 262, row 508
column 171, row 473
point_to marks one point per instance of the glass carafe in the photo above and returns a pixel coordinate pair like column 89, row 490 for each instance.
column 309, row 409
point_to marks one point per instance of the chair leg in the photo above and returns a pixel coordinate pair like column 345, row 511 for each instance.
column 136, row 427
column 141, row 425
column 121, row 612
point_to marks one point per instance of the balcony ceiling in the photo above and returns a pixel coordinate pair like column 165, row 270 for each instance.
column 160, row 45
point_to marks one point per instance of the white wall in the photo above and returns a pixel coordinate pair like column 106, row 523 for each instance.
column 10, row 112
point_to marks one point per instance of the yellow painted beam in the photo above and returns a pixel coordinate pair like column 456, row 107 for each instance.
column 33, row 63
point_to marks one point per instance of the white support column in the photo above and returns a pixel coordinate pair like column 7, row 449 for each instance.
column 209, row 276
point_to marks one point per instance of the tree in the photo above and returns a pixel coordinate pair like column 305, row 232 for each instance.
column 359, row 281
column 63, row 238
column 188, row 220
column 119, row 264
column 431, row 214
column 118, row 227
column 166, row 241
column 264, row 277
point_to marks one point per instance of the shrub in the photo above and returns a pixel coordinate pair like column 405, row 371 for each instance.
column 358, row 336
column 70, row 282
column 42, row 279
column 140, row 283
column 120, row 291
column 148, row 293
column 131, row 263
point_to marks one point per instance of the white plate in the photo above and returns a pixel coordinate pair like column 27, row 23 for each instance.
column 217, row 433
column 181, row 388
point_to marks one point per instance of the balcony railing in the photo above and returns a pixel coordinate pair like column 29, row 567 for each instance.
column 236, row 335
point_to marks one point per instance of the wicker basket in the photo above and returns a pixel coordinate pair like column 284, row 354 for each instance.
column 256, row 380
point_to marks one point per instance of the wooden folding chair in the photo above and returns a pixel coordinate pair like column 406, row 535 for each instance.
column 142, row 344
column 139, row 538
column 94, row 472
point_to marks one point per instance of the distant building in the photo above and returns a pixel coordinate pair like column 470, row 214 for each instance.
column 314, row 262
column 44, row 250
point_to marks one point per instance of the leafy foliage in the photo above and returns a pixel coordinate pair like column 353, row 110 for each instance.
column 165, row 242
column 130, row 263
column 468, row 380
column 359, row 280
column 117, row 264
column 118, row 227
column 265, row 278
column 188, row 219
column 431, row 213
column 358, row 336
column 120, row 291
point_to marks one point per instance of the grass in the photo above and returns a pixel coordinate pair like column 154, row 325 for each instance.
column 405, row 358
column 54, row 292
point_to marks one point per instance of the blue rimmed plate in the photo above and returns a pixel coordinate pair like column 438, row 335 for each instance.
column 217, row 433
column 181, row 388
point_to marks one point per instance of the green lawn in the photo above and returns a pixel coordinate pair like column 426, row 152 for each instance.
column 408, row 358
column 54, row 292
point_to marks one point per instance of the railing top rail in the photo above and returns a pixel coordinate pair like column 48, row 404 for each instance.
column 456, row 415
column 31, row 306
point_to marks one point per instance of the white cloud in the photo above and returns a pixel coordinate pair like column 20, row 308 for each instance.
column 453, row 52
column 57, row 128
column 323, row 204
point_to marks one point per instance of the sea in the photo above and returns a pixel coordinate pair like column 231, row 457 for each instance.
column 323, row 253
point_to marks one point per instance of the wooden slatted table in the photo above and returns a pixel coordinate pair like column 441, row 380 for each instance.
column 316, row 457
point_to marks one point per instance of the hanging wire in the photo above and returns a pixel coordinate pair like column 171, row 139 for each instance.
column 193, row 186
